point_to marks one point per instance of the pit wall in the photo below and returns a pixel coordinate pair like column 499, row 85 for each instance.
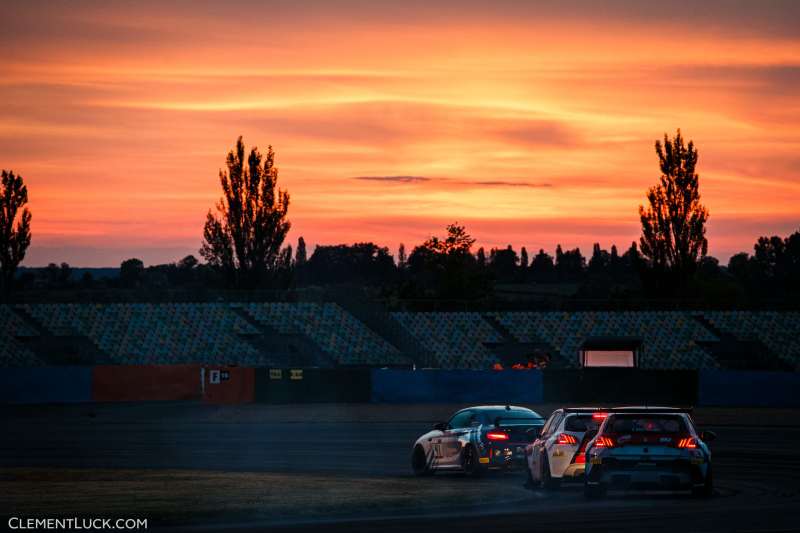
column 728, row 388
column 57, row 384
column 237, row 385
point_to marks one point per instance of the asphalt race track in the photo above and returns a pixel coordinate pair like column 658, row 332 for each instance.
column 756, row 465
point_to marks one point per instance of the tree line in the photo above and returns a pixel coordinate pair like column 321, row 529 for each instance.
column 244, row 247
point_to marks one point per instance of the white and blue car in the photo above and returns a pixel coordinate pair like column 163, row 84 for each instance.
column 477, row 439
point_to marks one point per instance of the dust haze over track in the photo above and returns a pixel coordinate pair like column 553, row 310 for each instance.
column 756, row 465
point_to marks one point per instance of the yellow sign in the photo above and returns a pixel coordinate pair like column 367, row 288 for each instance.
column 275, row 373
column 483, row 460
column 296, row 373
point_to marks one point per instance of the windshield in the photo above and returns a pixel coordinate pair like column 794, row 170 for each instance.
column 581, row 423
column 630, row 424
column 514, row 416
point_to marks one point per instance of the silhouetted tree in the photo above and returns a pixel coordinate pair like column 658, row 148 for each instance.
column 600, row 260
column 523, row 258
column 65, row 274
column 300, row 257
column 285, row 258
column 542, row 267
column 131, row 272
column 738, row 265
column 401, row 256
column 481, row 257
column 457, row 242
column 673, row 225
column 708, row 267
column 15, row 227
column 244, row 238
column 632, row 258
column 773, row 271
column 188, row 263
column 362, row 262
column 503, row 263
column 446, row 267
column 51, row 275
column 570, row 264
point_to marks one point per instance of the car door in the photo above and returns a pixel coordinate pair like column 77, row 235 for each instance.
column 539, row 443
column 450, row 443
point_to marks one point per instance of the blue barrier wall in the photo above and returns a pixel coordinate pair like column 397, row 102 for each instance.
column 749, row 389
column 68, row 384
column 456, row 386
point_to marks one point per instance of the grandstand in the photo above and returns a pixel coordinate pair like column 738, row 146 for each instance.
column 457, row 340
column 779, row 331
column 327, row 335
column 335, row 331
column 12, row 351
column 669, row 338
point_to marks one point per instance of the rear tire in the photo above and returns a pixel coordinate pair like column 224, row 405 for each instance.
column 420, row 464
column 470, row 461
column 707, row 490
column 548, row 481
column 529, row 482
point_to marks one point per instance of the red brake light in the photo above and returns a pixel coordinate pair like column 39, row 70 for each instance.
column 688, row 442
column 580, row 458
column 599, row 416
column 604, row 442
column 497, row 435
column 566, row 438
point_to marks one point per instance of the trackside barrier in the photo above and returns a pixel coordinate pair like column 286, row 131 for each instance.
column 58, row 384
column 456, row 386
column 621, row 385
column 228, row 384
column 130, row 383
column 312, row 385
column 728, row 388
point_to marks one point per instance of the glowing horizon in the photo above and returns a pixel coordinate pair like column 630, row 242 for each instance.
column 531, row 124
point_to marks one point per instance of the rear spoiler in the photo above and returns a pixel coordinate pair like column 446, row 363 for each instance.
column 533, row 418
column 650, row 409
column 587, row 409
column 630, row 409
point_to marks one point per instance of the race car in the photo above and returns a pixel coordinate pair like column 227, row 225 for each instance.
column 477, row 439
column 649, row 447
column 558, row 452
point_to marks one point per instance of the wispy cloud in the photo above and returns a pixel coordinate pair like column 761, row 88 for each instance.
column 393, row 179
column 503, row 183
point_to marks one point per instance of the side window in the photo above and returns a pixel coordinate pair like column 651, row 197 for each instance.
column 557, row 422
column 548, row 426
column 461, row 420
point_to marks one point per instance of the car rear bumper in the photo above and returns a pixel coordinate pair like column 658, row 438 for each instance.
column 674, row 475
column 510, row 455
column 574, row 470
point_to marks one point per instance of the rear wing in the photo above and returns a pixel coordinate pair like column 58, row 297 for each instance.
column 524, row 421
column 587, row 409
column 636, row 409
column 630, row 409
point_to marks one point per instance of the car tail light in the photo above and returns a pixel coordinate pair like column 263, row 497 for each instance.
column 580, row 458
column 604, row 442
column 497, row 435
column 566, row 438
column 687, row 442
column 599, row 416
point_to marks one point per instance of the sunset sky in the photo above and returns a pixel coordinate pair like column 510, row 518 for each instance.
column 532, row 123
